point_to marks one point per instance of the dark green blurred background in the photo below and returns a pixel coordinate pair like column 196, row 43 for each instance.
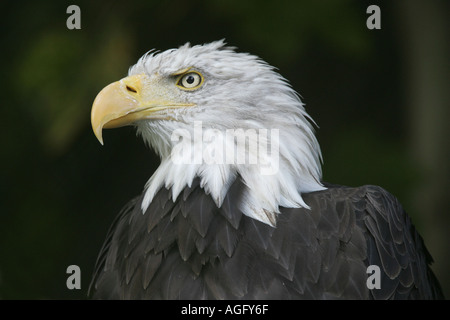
column 380, row 97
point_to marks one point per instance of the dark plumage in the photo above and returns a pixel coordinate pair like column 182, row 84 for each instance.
column 190, row 249
column 211, row 226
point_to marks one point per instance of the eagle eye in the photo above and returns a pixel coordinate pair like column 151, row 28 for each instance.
column 190, row 81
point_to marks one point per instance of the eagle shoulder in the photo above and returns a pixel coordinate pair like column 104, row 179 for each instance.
column 189, row 248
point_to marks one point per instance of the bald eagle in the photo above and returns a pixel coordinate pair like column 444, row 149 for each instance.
column 237, row 208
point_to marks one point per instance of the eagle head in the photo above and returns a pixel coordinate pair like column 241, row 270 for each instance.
column 218, row 115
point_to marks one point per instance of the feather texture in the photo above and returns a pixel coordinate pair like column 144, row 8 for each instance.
column 199, row 251
column 268, row 229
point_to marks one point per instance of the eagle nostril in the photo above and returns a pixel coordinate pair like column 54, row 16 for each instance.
column 131, row 89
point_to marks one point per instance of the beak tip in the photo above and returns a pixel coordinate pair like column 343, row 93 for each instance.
column 99, row 136
column 100, row 139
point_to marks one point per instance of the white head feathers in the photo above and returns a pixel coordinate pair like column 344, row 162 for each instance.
column 241, row 98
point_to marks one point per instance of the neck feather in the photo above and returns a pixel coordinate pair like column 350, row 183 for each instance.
column 277, row 177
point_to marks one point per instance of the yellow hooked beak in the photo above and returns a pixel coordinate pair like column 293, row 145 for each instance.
column 124, row 103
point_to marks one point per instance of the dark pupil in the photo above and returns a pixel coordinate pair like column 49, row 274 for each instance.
column 190, row 79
